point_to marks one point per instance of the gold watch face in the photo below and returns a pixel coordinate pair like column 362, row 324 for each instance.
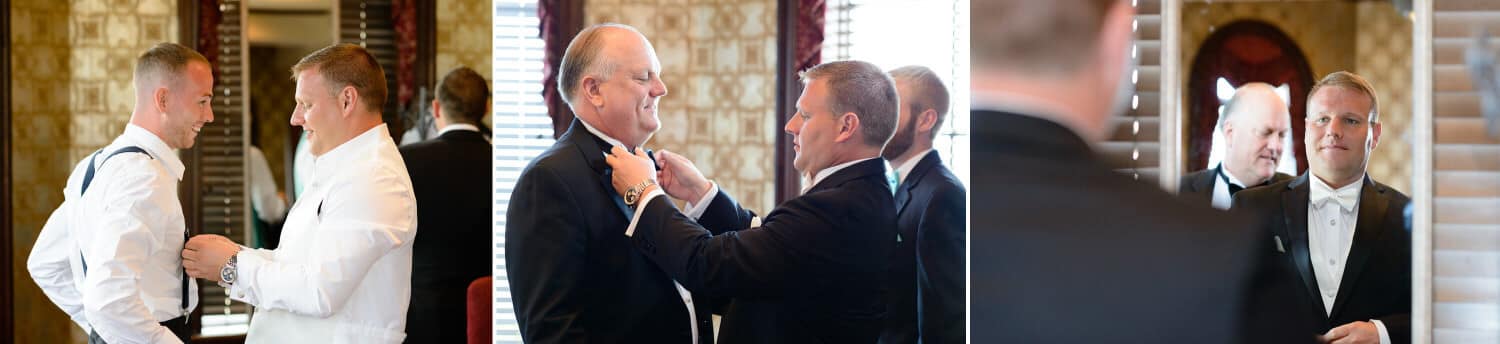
column 631, row 196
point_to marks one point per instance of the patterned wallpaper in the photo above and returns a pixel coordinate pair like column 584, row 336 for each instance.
column 463, row 36
column 73, row 94
column 718, row 61
column 1383, row 55
column 1377, row 45
column 464, row 39
column 39, row 87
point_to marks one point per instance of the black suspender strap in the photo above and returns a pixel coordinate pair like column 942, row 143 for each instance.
column 88, row 178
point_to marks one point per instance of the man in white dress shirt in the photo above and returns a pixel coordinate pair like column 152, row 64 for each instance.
column 108, row 255
column 1255, row 123
column 1342, row 233
column 343, row 271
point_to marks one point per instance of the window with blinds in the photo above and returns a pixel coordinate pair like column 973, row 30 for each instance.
column 522, row 129
column 1465, row 184
column 1134, row 147
column 223, row 204
column 938, row 39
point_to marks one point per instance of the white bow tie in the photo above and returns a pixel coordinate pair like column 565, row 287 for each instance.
column 1346, row 197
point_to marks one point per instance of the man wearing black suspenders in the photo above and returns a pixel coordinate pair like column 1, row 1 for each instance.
column 108, row 256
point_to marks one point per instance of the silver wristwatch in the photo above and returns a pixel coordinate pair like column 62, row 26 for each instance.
column 228, row 273
column 633, row 195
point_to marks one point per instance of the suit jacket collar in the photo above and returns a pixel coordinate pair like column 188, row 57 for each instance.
column 1373, row 204
column 1023, row 135
column 858, row 170
column 462, row 135
column 593, row 149
column 903, row 193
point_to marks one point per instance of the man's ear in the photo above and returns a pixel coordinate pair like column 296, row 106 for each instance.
column 348, row 99
column 437, row 109
column 848, row 125
column 926, row 121
column 159, row 98
column 591, row 93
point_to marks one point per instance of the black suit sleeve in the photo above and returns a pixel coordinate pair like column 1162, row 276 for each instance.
column 748, row 262
column 940, row 268
column 724, row 214
column 544, row 253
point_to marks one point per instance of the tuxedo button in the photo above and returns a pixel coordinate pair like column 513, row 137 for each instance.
column 1331, row 262
column 1333, row 222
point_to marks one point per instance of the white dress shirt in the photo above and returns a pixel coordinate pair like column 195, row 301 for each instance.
column 457, row 127
column 905, row 168
column 342, row 273
column 1331, row 217
column 687, row 296
column 1222, row 198
column 129, row 228
column 268, row 205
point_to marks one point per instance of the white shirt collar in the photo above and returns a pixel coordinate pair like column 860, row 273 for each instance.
column 153, row 144
column 1347, row 196
column 457, row 127
column 333, row 159
column 1232, row 180
column 610, row 140
column 906, row 167
column 830, row 171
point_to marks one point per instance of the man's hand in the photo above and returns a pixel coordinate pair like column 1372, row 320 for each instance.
column 679, row 178
column 630, row 169
column 1359, row 332
column 204, row 255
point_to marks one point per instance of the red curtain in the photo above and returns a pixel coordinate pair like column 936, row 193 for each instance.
column 810, row 16
column 560, row 21
column 209, row 18
column 404, row 18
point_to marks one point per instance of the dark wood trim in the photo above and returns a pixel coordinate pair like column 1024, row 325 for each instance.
column 427, row 74
column 7, row 294
column 289, row 12
column 235, row 339
column 788, row 184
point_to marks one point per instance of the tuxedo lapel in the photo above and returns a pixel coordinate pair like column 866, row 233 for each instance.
column 1294, row 211
column 1367, row 234
column 903, row 192
column 592, row 149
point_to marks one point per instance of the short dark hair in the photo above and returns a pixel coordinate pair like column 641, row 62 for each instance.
column 347, row 64
column 862, row 88
column 163, row 60
column 928, row 93
column 463, row 95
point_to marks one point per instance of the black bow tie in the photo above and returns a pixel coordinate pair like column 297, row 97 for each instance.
column 1233, row 188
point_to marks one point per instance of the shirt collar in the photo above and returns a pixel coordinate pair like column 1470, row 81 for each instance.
column 137, row 136
column 830, row 171
column 610, row 140
column 906, row 167
column 325, row 164
column 1347, row 197
column 457, row 127
column 1232, row 180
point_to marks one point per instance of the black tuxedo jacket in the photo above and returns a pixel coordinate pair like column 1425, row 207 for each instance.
column 1199, row 186
column 574, row 277
column 927, row 267
column 449, row 174
column 813, row 272
column 1070, row 251
column 1377, row 276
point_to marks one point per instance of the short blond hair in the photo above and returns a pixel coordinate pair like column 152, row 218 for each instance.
column 1350, row 81
column 927, row 92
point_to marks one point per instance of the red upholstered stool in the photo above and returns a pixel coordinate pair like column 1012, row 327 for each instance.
column 481, row 310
